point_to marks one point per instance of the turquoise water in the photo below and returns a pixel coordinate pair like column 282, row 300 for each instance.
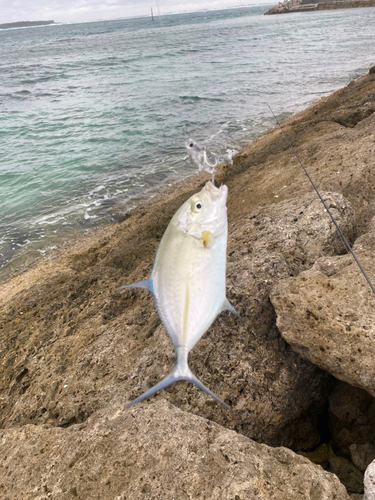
column 93, row 116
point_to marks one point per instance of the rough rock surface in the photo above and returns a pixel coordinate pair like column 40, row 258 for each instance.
column 347, row 473
column 370, row 482
column 352, row 423
column 91, row 343
column 316, row 318
column 153, row 451
column 362, row 455
column 71, row 344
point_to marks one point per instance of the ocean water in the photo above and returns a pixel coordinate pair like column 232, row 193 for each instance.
column 93, row 116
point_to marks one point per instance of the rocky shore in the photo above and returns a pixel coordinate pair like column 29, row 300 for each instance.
column 288, row 6
column 298, row 372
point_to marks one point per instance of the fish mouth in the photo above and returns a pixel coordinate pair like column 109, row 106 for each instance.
column 218, row 218
column 213, row 191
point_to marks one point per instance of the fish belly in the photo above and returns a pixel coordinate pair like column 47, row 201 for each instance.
column 189, row 285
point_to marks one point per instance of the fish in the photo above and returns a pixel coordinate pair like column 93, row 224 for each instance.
column 188, row 279
column 199, row 156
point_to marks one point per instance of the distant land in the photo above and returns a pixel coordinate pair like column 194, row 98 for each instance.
column 25, row 24
column 307, row 5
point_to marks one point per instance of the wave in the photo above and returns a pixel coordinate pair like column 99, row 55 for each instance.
column 93, row 114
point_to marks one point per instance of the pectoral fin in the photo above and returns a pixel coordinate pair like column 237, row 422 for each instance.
column 227, row 306
column 208, row 239
column 147, row 284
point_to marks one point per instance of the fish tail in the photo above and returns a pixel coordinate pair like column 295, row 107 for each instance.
column 168, row 380
column 194, row 380
column 177, row 374
column 183, row 372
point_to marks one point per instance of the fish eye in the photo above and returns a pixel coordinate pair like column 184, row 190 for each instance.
column 198, row 206
column 191, row 144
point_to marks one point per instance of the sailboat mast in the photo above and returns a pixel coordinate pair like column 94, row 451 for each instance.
column 152, row 14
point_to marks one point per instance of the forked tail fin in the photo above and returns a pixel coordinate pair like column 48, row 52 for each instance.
column 205, row 389
column 168, row 380
column 177, row 374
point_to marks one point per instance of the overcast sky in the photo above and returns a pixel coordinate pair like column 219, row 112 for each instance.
column 91, row 10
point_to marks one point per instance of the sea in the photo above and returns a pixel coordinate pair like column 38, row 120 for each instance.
column 94, row 116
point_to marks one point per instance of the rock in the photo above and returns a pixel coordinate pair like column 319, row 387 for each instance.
column 298, row 6
column 153, row 451
column 362, row 455
column 348, row 474
column 71, row 344
column 321, row 455
column 284, row 7
column 356, row 496
column 349, row 404
column 370, row 482
column 352, row 421
column 300, row 230
column 316, row 318
column 94, row 347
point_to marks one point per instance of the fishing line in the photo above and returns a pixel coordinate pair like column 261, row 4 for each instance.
column 325, row 205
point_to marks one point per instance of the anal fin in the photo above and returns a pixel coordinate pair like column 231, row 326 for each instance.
column 141, row 284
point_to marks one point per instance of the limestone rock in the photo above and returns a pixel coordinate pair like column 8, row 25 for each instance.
column 94, row 344
column 300, row 229
column 153, row 451
column 298, row 6
column 352, row 422
column 362, row 455
column 327, row 314
column 370, row 482
column 348, row 474
column 70, row 344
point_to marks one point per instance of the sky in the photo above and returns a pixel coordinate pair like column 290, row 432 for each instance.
column 92, row 10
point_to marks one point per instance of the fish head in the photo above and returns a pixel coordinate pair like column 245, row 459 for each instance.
column 192, row 147
column 205, row 212
column 196, row 153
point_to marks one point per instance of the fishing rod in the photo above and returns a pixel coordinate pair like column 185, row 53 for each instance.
column 325, row 205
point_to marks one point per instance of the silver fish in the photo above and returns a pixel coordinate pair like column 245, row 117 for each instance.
column 188, row 278
column 199, row 156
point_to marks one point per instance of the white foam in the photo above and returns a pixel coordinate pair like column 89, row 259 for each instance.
column 96, row 190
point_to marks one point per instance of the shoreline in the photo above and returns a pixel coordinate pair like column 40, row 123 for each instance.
column 63, row 321
column 290, row 6
column 157, row 194
column 26, row 260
